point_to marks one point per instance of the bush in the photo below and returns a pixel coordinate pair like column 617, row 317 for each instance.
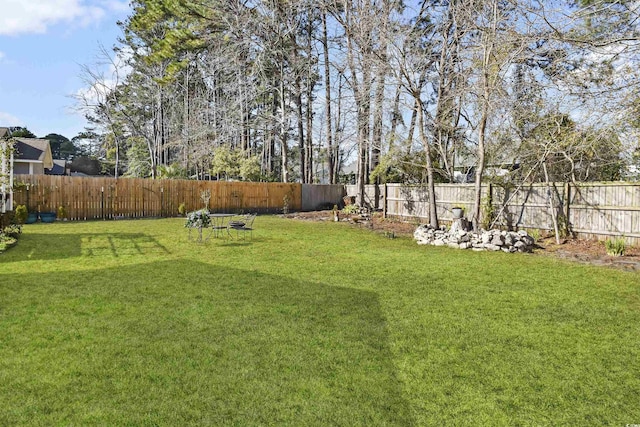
column 21, row 214
column 535, row 233
column 615, row 247
column 62, row 212
column 351, row 209
column 12, row 230
column 9, row 235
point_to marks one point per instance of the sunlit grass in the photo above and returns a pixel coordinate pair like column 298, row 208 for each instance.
column 130, row 323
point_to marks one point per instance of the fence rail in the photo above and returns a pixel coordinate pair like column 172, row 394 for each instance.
column 593, row 210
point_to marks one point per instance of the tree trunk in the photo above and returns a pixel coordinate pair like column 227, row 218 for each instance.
column 376, row 145
column 552, row 207
column 479, row 171
column 361, row 95
column 309, row 96
column 433, row 208
column 395, row 116
column 283, row 129
column 331, row 156
column 301, row 147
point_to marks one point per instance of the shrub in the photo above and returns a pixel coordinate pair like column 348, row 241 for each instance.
column 21, row 214
column 182, row 209
column 12, row 230
column 535, row 233
column 9, row 236
column 615, row 247
column 351, row 209
column 62, row 212
column 487, row 213
column 286, row 200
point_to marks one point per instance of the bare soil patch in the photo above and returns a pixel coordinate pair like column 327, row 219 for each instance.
column 584, row 251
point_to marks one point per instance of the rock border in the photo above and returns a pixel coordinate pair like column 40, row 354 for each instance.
column 491, row 240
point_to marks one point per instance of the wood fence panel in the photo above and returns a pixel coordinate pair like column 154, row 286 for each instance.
column 323, row 196
column 595, row 210
column 606, row 209
column 527, row 206
column 96, row 198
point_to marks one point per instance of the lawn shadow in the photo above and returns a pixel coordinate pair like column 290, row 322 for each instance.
column 183, row 342
column 40, row 247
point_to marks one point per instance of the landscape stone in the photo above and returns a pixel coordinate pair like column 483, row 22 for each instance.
column 493, row 240
column 498, row 240
column 508, row 239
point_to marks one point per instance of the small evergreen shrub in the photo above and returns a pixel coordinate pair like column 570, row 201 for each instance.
column 62, row 212
column 21, row 214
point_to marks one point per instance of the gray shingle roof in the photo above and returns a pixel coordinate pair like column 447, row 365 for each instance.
column 59, row 167
column 30, row 149
column 33, row 149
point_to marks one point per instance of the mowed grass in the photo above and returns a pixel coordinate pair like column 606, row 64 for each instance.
column 130, row 323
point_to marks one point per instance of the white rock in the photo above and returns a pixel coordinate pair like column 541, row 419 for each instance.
column 498, row 240
column 508, row 239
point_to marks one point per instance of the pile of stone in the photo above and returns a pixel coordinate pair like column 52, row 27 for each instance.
column 492, row 240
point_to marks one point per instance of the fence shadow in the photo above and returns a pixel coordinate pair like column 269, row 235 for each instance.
column 61, row 246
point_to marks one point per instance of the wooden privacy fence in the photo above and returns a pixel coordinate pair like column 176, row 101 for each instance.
column 597, row 210
column 102, row 198
column 591, row 209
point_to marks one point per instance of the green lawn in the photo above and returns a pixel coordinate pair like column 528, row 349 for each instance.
column 129, row 323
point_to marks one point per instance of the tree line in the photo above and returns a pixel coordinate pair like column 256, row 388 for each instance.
column 414, row 91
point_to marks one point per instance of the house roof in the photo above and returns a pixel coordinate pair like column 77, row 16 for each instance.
column 4, row 132
column 33, row 150
column 59, row 168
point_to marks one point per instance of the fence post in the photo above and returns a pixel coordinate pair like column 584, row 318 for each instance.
column 384, row 201
column 102, row 202
column 567, row 202
column 490, row 205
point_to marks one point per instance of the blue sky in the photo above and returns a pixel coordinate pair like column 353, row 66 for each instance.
column 43, row 44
